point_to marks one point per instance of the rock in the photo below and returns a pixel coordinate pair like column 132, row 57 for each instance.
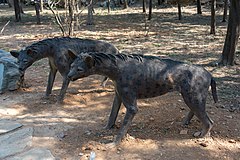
column 232, row 141
column 15, row 142
column 203, row 144
column 34, row 154
column 88, row 133
column 230, row 117
column 61, row 135
column 134, row 124
column 9, row 73
column 7, row 126
column 197, row 134
column 88, row 147
column 182, row 108
column 92, row 155
column 184, row 131
column 80, row 154
column 151, row 119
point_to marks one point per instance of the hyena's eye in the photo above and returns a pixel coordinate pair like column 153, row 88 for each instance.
column 25, row 61
column 79, row 69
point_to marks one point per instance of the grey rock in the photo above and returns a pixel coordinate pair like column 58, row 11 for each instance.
column 34, row 154
column 7, row 126
column 9, row 73
column 15, row 142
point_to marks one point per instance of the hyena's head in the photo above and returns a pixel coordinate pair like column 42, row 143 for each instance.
column 25, row 58
column 82, row 65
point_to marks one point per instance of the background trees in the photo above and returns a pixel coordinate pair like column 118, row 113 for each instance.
column 70, row 21
column 17, row 10
column 232, row 36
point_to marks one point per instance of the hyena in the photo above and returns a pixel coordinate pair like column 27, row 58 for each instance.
column 138, row 76
column 56, row 50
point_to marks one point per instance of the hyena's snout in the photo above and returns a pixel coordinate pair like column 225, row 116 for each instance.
column 70, row 76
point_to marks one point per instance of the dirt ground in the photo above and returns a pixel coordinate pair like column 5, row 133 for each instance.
column 74, row 129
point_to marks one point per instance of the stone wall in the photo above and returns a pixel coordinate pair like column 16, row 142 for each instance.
column 9, row 73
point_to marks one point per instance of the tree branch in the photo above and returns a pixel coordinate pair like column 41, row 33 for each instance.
column 4, row 27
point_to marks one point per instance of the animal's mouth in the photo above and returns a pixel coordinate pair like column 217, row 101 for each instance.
column 72, row 78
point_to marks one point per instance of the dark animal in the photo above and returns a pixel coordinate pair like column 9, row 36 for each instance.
column 56, row 50
column 138, row 76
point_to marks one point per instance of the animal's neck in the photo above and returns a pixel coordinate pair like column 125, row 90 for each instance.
column 106, row 68
column 42, row 52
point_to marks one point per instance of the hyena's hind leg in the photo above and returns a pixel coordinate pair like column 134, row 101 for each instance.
column 188, row 118
column 114, row 112
column 104, row 81
column 196, row 103
column 51, row 78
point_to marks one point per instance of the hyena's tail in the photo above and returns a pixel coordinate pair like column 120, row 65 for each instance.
column 214, row 90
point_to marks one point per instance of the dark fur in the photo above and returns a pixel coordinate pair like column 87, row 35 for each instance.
column 55, row 49
column 138, row 76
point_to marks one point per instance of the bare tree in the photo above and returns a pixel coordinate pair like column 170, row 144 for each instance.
column 37, row 8
column 69, row 21
column 71, row 17
column 90, row 13
column 213, row 18
column 57, row 17
column 160, row 2
column 144, row 6
column 150, row 10
column 41, row 5
column 17, row 10
column 225, row 11
column 179, row 10
column 231, row 41
column 125, row 4
column 199, row 8
column 9, row 4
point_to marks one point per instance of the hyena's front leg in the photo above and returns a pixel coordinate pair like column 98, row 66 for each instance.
column 115, row 109
column 51, row 79
column 132, row 109
column 65, row 84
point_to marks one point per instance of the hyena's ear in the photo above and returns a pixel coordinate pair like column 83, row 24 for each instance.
column 72, row 54
column 14, row 53
column 89, row 60
column 29, row 51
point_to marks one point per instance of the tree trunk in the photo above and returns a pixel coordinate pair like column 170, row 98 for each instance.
column 70, row 10
column 125, row 4
column 179, row 11
column 9, row 4
column 41, row 5
column 228, row 54
column 20, row 6
column 108, row 5
column 37, row 8
column 199, row 8
column 144, row 6
column 58, row 20
column 213, row 18
column 225, row 11
column 150, row 10
column 90, row 14
column 17, row 10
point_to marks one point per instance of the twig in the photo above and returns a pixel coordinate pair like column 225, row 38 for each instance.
column 57, row 18
column 4, row 27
